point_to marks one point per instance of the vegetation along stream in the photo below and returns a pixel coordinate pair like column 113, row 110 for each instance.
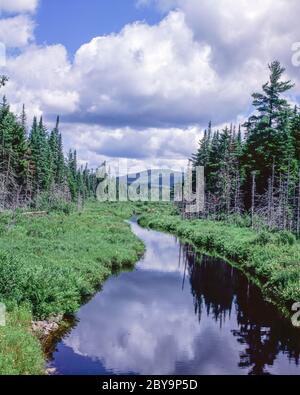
column 178, row 312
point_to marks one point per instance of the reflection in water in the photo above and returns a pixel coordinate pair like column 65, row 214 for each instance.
column 178, row 313
column 220, row 289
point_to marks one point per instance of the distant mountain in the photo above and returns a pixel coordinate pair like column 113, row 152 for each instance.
column 163, row 179
column 156, row 178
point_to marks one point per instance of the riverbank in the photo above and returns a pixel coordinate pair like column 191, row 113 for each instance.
column 49, row 265
column 271, row 259
column 204, row 307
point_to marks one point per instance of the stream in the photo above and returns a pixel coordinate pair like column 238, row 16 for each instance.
column 178, row 312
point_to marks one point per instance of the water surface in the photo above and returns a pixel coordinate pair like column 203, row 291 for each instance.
column 178, row 312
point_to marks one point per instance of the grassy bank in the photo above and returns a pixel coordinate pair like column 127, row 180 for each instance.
column 49, row 264
column 20, row 350
column 272, row 259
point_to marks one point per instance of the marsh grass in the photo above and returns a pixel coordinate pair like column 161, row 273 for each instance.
column 50, row 264
column 20, row 351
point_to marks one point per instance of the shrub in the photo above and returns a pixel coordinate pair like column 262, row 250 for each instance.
column 286, row 238
column 53, row 203
column 52, row 262
column 263, row 238
column 242, row 221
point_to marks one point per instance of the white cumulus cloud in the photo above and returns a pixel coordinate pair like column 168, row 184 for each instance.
column 18, row 6
column 16, row 32
column 148, row 85
column 42, row 78
column 145, row 76
column 241, row 32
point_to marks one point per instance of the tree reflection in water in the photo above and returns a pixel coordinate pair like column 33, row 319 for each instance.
column 196, row 316
column 219, row 288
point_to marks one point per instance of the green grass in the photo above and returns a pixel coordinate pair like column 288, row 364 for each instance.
column 20, row 351
column 51, row 263
column 272, row 259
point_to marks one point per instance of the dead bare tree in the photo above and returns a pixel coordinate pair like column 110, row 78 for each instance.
column 253, row 198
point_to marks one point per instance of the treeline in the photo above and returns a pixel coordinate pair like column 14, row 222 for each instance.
column 33, row 169
column 254, row 168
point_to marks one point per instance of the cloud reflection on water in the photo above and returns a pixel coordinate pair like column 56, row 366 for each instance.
column 146, row 322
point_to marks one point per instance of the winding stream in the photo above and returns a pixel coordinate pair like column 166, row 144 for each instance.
column 178, row 312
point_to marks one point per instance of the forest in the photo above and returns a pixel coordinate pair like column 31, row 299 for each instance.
column 254, row 168
column 252, row 171
column 54, row 260
column 34, row 172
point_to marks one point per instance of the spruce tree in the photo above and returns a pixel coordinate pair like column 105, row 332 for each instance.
column 268, row 131
column 41, row 155
column 295, row 131
column 57, row 156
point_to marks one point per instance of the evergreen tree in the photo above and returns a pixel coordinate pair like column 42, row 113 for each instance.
column 269, row 136
column 295, row 132
column 23, row 120
column 33, row 165
column 41, row 155
column 57, row 156
column 72, row 173
column 13, row 142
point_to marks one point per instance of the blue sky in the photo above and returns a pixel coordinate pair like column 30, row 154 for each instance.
column 143, row 91
column 75, row 22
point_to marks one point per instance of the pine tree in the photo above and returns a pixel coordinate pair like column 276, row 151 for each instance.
column 270, row 104
column 13, row 142
column 57, row 156
column 41, row 155
column 72, row 173
column 4, row 110
column 295, row 131
column 33, row 165
column 23, row 120
column 268, row 132
column 201, row 158
column 61, row 170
